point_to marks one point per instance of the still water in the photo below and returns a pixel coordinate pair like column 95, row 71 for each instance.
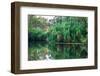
column 51, row 51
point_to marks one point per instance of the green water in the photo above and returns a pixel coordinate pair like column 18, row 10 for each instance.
column 54, row 51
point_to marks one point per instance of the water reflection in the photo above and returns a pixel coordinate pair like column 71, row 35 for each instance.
column 48, row 51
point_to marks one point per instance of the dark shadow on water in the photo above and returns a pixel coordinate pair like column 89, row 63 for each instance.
column 51, row 51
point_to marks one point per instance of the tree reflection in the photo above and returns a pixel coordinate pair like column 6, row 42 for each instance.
column 48, row 51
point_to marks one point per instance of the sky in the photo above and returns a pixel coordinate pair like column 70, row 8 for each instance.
column 47, row 17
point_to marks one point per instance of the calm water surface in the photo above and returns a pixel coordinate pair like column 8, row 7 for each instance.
column 51, row 51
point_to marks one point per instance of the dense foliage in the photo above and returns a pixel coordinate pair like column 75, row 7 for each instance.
column 61, row 30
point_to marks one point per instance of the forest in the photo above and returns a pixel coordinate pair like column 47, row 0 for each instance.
column 57, row 37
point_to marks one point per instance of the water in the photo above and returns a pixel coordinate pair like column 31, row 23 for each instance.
column 54, row 51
